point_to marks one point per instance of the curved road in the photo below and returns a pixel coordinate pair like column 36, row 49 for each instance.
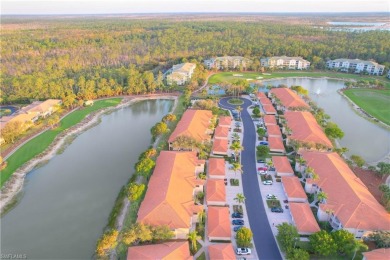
column 262, row 234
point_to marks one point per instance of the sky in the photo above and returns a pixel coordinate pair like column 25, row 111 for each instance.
column 172, row 6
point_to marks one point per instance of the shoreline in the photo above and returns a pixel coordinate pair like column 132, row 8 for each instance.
column 15, row 184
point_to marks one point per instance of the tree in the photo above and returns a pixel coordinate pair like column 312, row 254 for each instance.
column 341, row 150
column 201, row 216
column 261, row 132
column 135, row 191
column 144, row 166
column 381, row 238
column 244, row 237
column 239, row 109
column 333, row 131
column 107, row 242
column 358, row 160
column 237, row 148
column 256, row 112
column 53, row 120
column 384, row 168
column 321, row 196
column 237, row 167
column 169, row 118
column 148, row 153
column 262, row 151
column 346, row 242
column 68, row 100
column 162, row 233
column 240, row 198
column 322, row 243
column 159, row 129
column 184, row 142
column 192, row 237
column 12, row 130
column 297, row 254
column 160, row 80
column 287, row 236
column 301, row 161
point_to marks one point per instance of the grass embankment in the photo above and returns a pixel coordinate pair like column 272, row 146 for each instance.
column 228, row 76
column 374, row 101
column 40, row 143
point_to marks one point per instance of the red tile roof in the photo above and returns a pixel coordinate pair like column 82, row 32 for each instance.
column 378, row 254
column 303, row 218
column 225, row 121
column 293, row 187
column 269, row 120
column 222, row 251
column 276, row 144
column 269, row 109
column 289, row 98
column 194, row 123
column 216, row 166
column 282, row 164
column 221, row 132
column 274, row 130
column 348, row 197
column 305, row 128
column 265, row 101
column 261, row 95
column 218, row 222
column 215, row 191
column 165, row 251
column 220, row 146
column 174, row 174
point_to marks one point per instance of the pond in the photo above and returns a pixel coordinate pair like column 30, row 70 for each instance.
column 362, row 137
column 66, row 203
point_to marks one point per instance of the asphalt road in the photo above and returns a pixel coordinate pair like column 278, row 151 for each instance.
column 262, row 234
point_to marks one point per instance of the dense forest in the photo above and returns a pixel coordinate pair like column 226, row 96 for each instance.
column 54, row 58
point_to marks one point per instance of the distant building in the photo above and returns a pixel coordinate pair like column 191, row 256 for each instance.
column 388, row 74
column 227, row 62
column 281, row 62
column 356, row 66
column 180, row 73
column 286, row 99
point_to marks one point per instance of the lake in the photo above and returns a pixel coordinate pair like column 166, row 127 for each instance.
column 66, row 203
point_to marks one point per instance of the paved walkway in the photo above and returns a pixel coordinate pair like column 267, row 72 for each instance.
column 263, row 236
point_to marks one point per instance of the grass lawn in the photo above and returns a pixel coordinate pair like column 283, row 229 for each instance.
column 41, row 142
column 373, row 101
column 273, row 203
column 228, row 76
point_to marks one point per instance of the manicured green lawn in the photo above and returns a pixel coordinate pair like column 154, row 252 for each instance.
column 41, row 142
column 373, row 101
column 228, row 76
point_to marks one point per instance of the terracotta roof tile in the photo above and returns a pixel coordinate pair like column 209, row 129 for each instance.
column 220, row 146
column 269, row 120
column 276, row 143
column 378, row 254
column 165, row 251
column 303, row 218
column 221, row 132
column 305, row 128
column 289, row 98
column 174, row 174
column 225, row 121
column 274, row 130
column 261, row 95
column 216, row 167
column 265, row 101
column 215, row 191
column 218, row 222
column 269, row 109
column 349, row 198
column 222, row 251
column 194, row 123
column 282, row 164
column 293, row 187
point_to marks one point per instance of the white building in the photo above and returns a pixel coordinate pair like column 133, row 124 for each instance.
column 388, row 74
column 356, row 66
column 292, row 63
column 229, row 62
column 180, row 73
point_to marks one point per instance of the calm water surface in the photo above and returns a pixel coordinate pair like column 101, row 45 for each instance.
column 66, row 203
column 361, row 137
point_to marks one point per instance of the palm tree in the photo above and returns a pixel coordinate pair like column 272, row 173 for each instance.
column 240, row 198
column 201, row 216
column 237, row 167
column 239, row 109
column 301, row 163
column 236, row 137
column 237, row 148
column 269, row 163
column 321, row 196
column 192, row 237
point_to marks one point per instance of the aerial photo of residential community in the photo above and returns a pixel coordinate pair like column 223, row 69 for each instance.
column 204, row 130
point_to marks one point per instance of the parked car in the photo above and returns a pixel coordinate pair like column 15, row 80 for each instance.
column 263, row 143
column 237, row 215
column 262, row 168
column 262, row 172
column 268, row 182
column 236, row 228
column 277, row 210
column 237, row 124
column 243, row 251
column 238, row 222
column 271, row 197
column 260, row 161
column 271, row 169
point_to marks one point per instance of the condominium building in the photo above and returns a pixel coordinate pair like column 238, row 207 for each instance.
column 180, row 73
column 356, row 66
column 292, row 63
column 227, row 62
column 388, row 74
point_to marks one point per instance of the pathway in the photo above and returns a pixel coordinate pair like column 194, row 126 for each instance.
column 262, row 234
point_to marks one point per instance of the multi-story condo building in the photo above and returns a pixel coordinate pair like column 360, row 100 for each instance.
column 292, row 63
column 180, row 73
column 356, row 66
column 227, row 62
column 388, row 74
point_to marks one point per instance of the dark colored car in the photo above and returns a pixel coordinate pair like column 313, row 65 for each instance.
column 237, row 215
column 238, row 222
column 236, row 228
column 277, row 210
column 260, row 161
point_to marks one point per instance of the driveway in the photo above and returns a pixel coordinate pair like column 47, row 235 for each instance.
column 263, row 237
